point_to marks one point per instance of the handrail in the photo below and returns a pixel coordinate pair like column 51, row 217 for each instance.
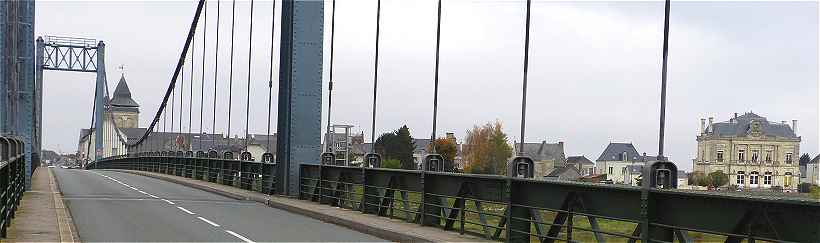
column 479, row 204
column 12, row 176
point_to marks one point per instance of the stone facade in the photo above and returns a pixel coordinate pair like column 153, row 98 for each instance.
column 755, row 153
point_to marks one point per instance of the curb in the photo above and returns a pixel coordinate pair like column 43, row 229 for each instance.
column 386, row 234
column 63, row 213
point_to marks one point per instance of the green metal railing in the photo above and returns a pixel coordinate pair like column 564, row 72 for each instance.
column 248, row 175
column 12, row 179
column 518, row 209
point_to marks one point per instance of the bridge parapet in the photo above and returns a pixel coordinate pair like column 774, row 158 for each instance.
column 519, row 209
column 12, row 179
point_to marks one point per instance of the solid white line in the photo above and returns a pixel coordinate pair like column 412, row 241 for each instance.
column 239, row 236
column 151, row 195
column 185, row 210
column 169, row 202
column 208, row 221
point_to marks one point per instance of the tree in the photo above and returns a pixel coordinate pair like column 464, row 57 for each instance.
column 486, row 149
column 698, row 178
column 447, row 149
column 397, row 145
column 404, row 148
column 718, row 179
column 804, row 159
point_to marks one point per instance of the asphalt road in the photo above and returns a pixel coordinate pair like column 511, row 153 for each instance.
column 109, row 206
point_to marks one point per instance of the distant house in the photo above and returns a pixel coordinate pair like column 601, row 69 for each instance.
column 812, row 172
column 683, row 180
column 547, row 156
column 565, row 173
column 614, row 160
column 584, row 165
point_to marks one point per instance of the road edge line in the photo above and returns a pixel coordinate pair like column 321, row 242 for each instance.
column 386, row 234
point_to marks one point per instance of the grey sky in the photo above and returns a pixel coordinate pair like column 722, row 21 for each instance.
column 594, row 74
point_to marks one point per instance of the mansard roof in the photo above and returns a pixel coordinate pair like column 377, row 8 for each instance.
column 613, row 152
column 743, row 125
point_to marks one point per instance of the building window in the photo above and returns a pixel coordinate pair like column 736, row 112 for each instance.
column 767, row 178
column 787, row 182
column 590, row 172
column 753, row 178
column 755, row 155
column 741, row 155
column 741, row 178
column 788, row 158
column 610, row 170
column 768, row 156
column 720, row 156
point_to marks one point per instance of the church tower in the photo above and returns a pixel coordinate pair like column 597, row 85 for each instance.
column 125, row 110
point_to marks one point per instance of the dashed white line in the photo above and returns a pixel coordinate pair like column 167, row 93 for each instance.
column 239, row 236
column 185, row 210
column 208, row 221
column 169, row 202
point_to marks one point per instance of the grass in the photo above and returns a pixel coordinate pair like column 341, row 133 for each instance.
column 580, row 233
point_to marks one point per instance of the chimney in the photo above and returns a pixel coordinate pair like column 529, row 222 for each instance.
column 735, row 115
column 794, row 126
column 702, row 125
column 711, row 121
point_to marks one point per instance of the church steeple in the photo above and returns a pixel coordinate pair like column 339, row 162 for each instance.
column 122, row 96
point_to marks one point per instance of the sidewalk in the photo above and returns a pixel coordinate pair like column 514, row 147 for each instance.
column 385, row 228
column 42, row 217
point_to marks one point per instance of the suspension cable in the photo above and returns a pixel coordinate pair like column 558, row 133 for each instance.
column 230, row 76
column 435, row 90
column 330, row 79
column 270, row 80
column 202, row 81
column 216, row 71
column 91, row 127
column 375, row 78
column 663, row 81
column 524, row 83
column 248, row 95
column 190, row 93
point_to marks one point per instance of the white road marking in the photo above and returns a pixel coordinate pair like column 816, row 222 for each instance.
column 240, row 236
column 185, row 210
column 208, row 221
column 151, row 195
column 169, row 202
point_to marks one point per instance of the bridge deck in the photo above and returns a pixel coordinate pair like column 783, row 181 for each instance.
column 115, row 206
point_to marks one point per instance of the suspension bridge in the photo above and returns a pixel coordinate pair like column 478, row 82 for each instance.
column 136, row 187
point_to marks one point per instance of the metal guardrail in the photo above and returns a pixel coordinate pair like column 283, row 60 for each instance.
column 248, row 175
column 12, row 179
column 518, row 209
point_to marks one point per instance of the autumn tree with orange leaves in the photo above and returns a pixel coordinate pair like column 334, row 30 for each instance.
column 486, row 149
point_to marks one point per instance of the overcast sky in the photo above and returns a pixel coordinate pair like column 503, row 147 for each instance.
column 594, row 67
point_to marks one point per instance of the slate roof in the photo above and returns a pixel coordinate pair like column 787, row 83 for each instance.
column 613, row 152
column 544, row 151
column 816, row 160
column 579, row 159
column 122, row 96
column 565, row 172
column 741, row 126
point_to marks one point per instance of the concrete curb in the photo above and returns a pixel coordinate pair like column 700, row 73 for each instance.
column 271, row 201
column 68, row 230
